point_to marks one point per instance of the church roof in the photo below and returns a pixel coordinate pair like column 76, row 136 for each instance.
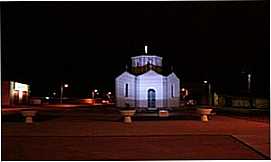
column 145, row 55
column 164, row 73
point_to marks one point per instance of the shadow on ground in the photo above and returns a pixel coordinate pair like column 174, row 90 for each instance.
column 19, row 118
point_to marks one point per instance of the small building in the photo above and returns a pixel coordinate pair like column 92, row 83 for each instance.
column 14, row 93
column 145, row 86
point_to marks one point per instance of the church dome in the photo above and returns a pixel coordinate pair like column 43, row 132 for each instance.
column 143, row 63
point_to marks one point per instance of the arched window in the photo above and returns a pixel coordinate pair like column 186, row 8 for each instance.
column 126, row 90
column 172, row 92
column 151, row 98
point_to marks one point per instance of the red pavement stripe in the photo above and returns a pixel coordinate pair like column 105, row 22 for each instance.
column 258, row 152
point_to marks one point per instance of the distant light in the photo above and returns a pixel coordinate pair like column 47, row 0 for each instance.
column 105, row 102
column 95, row 90
column 183, row 89
column 66, row 85
column 21, row 87
column 205, row 81
column 54, row 93
column 47, row 98
column 109, row 93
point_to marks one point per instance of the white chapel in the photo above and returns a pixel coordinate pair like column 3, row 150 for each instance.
column 145, row 86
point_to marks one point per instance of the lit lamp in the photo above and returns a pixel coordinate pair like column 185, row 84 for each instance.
column 108, row 95
column 183, row 93
column 93, row 93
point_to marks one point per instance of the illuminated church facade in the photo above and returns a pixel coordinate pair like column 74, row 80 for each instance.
column 145, row 86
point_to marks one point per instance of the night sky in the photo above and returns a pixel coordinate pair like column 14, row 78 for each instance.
column 88, row 44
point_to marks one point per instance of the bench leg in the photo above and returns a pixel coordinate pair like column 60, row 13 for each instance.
column 28, row 119
column 127, row 119
column 204, row 118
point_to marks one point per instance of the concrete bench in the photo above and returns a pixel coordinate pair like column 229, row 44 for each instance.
column 29, row 114
column 163, row 113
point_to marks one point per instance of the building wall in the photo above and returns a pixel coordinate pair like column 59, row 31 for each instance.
column 121, row 81
column 145, row 59
column 240, row 103
column 165, row 90
column 5, row 93
column 146, row 81
column 173, row 96
column 13, row 93
column 138, row 87
column 262, row 103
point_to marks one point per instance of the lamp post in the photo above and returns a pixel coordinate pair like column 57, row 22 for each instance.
column 249, row 82
column 93, row 93
column 108, row 95
column 249, row 89
column 61, row 90
column 209, row 92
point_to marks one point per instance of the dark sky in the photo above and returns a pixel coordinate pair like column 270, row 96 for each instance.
column 88, row 44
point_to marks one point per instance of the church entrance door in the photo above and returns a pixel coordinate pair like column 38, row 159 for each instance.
column 151, row 98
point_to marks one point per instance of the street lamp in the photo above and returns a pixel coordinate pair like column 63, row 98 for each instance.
column 93, row 93
column 249, row 89
column 61, row 91
column 209, row 92
column 108, row 95
column 249, row 82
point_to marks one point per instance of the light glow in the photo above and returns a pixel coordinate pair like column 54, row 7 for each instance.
column 20, row 95
column 21, row 87
column 66, row 85
column 146, row 49
column 205, row 81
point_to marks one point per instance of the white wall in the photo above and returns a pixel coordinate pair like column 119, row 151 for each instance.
column 138, row 89
column 165, row 90
column 121, row 81
column 146, row 81
column 174, row 81
column 144, row 59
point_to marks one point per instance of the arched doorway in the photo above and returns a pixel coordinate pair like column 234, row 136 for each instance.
column 151, row 98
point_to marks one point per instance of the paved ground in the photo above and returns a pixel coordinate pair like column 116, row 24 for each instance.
column 85, row 134
column 127, row 148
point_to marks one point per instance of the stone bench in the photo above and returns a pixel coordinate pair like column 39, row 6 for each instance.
column 127, row 114
column 29, row 114
column 204, row 113
column 163, row 113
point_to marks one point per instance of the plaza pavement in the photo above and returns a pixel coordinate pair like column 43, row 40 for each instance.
column 86, row 135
